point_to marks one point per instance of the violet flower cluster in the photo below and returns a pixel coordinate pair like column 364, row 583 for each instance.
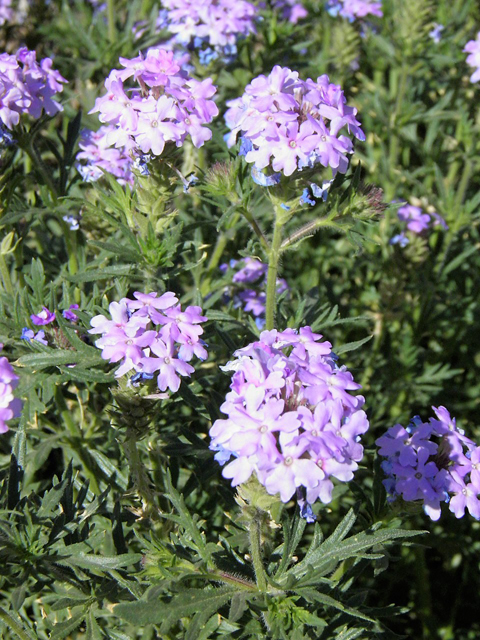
column 10, row 406
column 46, row 317
column 27, row 87
column 248, row 287
column 288, row 123
column 166, row 106
column 432, row 462
column 473, row 59
column 354, row 9
column 417, row 222
column 151, row 334
column 210, row 26
column 292, row 420
column 97, row 157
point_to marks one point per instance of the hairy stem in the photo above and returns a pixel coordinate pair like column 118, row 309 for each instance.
column 137, row 470
column 5, row 272
column 273, row 259
column 256, row 552
column 111, row 20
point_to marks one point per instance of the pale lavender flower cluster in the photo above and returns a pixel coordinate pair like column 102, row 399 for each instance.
column 248, row 287
column 97, row 157
column 292, row 420
column 432, row 462
column 151, row 333
column 10, row 406
column 288, row 123
column 416, row 221
column 216, row 24
column 473, row 59
column 27, row 87
column 166, row 106
column 353, row 9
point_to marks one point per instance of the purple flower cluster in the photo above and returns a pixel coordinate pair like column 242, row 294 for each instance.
column 353, row 9
column 10, row 407
column 27, row 86
column 473, row 60
column 45, row 317
column 166, row 106
column 249, row 273
column 416, row 221
column 291, row 417
column 97, row 157
column 215, row 23
column 433, row 462
column 291, row 124
column 151, row 333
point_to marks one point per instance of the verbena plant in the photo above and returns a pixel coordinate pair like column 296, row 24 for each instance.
column 208, row 248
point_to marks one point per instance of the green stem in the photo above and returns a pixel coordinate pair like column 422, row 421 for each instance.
column 462, row 187
column 137, row 470
column 394, row 140
column 256, row 552
column 5, row 272
column 254, row 224
column 26, row 143
column 66, row 415
column 111, row 20
column 273, row 259
column 71, row 243
column 14, row 626
column 217, row 252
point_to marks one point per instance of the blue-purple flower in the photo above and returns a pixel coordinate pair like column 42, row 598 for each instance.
column 432, row 462
column 44, row 317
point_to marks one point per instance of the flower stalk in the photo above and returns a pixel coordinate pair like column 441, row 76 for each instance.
column 273, row 260
column 256, row 551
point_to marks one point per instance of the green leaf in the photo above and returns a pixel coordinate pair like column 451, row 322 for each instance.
column 293, row 533
column 312, row 595
column 351, row 346
column 187, row 603
column 63, row 629
column 320, row 561
column 93, row 630
column 101, row 563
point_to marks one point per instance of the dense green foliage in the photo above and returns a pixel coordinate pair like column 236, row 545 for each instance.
column 115, row 521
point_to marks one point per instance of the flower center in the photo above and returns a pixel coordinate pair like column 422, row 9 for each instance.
column 288, row 460
column 418, row 475
column 154, row 123
column 263, row 429
column 324, row 138
column 292, row 144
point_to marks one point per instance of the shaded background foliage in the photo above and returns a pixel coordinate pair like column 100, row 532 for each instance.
column 64, row 568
